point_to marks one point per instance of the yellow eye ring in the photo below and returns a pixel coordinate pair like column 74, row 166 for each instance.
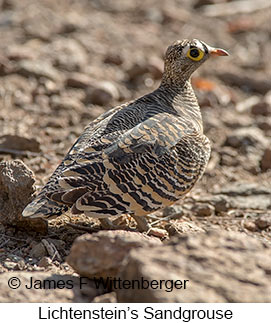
column 195, row 54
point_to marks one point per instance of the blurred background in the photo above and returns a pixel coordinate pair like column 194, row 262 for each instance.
column 63, row 63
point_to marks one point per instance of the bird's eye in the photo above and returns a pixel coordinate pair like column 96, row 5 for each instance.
column 195, row 54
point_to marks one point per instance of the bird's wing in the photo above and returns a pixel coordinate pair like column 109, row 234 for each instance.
column 42, row 206
column 136, row 172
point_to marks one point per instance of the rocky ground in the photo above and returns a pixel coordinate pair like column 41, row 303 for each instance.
column 63, row 63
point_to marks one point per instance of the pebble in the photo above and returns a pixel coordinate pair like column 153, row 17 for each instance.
column 114, row 59
column 68, row 54
column 228, row 156
column 244, row 137
column 103, row 94
column 9, row 264
column 20, row 52
column 45, row 262
column 264, row 123
column 261, row 108
column 157, row 232
column 38, row 69
column 38, row 251
column 246, row 105
column 20, row 265
column 177, row 228
column 221, row 204
column 78, row 80
column 263, row 222
column 106, row 298
column 174, row 211
column 266, row 160
column 203, row 209
column 19, row 143
column 136, row 70
column 251, row 226
column 156, row 67
column 243, row 189
column 66, row 103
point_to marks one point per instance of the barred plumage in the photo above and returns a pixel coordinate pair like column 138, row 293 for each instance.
column 138, row 157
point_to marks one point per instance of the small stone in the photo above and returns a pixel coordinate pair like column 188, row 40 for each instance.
column 113, row 58
column 157, row 232
column 263, row 222
column 103, row 94
column 50, row 86
column 38, row 251
column 254, row 202
column 199, row 3
column 6, row 66
column 45, row 262
column 7, row 5
column 20, row 265
column 106, row 298
column 221, row 203
column 251, row 226
column 178, row 228
column 174, row 211
column 155, row 15
column 264, row 123
column 9, row 264
column 261, row 108
column 19, row 143
column 244, row 189
column 228, row 156
column 51, row 249
column 244, row 137
column 247, row 104
column 38, row 69
column 266, row 160
column 137, row 70
column 156, row 67
column 66, row 103
column 20, row 52
column 203, row 209
column 79, row 80
column 68, row 54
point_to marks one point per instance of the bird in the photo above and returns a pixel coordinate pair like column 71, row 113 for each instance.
column 137, row 157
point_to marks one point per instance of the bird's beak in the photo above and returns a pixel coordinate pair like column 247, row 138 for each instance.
column 217, row 52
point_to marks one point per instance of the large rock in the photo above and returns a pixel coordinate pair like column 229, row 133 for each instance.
column 16, row 189
column 50, row 288
column 103, row 254
column 219, row 266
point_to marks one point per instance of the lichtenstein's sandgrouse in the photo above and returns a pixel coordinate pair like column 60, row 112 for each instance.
column 137, row 157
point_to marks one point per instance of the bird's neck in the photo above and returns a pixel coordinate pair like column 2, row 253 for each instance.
column 182, row 99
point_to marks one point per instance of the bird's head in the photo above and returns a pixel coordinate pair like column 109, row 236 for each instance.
column 183, row 57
